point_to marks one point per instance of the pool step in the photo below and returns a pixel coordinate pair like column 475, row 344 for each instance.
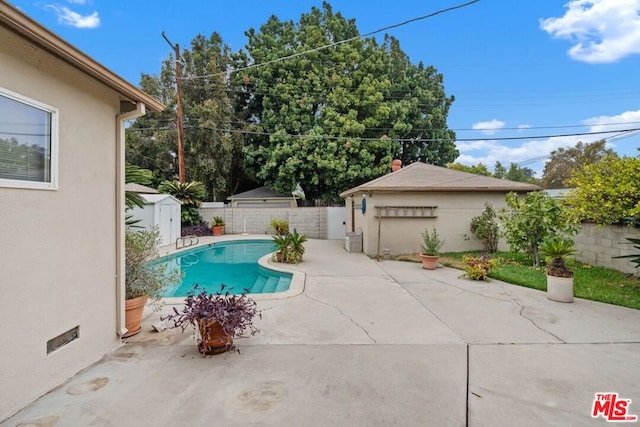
column 259, row 285
column 268, row 284
column 271, row 285
column 283, row 284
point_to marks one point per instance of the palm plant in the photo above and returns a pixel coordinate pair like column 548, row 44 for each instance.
column 296, row 246
column 137, row 175
column 557, row 248
column 190, row 194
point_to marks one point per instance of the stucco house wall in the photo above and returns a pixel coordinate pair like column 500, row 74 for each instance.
column 60, row 260
column 456, row 196
column 403, row 235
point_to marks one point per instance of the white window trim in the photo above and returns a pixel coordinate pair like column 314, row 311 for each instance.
column 53, row 184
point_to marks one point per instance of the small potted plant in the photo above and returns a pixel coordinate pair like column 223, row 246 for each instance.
column 431, row 244
column 143, row 278
column 218, row 318
column 296, row 243
column 217, row 226
column 282, row 247
column 559, row 277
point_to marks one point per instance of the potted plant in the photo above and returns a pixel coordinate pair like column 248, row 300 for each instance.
column 295, row 248
column 430, row 249
column 559, row 277
column 218, row 318
column 217, row 226
column 144, row 280
column 282, row 247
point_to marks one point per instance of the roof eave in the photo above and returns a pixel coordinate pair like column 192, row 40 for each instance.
column 437, row 189
column 29, row 29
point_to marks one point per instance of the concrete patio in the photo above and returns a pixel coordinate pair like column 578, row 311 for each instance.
column 370, row 343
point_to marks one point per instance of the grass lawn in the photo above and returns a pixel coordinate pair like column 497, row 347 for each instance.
column 594, row 283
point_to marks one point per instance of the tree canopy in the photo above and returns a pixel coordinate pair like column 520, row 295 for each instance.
column 564, row 161
column 328, row 119
column 606, row 192
column 334, row 118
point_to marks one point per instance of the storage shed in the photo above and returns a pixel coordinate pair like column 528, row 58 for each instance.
column 393, row 210
column 262, row 197
column 161, row 211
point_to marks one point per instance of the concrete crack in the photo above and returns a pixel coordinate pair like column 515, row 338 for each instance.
column 345, row 315
column 522, row 307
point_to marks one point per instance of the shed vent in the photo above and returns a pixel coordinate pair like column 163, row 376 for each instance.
column 63, row 339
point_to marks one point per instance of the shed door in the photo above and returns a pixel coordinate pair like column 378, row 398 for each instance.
column 165, row 224
column 176, row 226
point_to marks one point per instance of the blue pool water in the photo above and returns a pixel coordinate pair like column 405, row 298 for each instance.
column 233, row 263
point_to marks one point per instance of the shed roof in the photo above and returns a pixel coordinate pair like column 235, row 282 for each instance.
column 140, row 189
column 16, row 21
column 419, row 177
column 260, row 193
column 152, row 199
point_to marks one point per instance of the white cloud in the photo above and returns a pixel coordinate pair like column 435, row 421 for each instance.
column 523, row 127
column 77, row 1
column 69, row 17
column 533, row 153
column 490, row 127
column 602, row 30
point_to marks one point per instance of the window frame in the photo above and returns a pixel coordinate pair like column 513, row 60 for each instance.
column 52, row 184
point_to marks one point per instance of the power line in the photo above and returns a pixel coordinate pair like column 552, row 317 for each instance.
column 329, row 137
column 284, row 58
column 195, row 120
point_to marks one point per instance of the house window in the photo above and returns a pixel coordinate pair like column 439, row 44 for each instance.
column 28, row 142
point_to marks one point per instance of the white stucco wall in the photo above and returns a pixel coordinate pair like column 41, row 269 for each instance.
column 58, row 259
column 403, row 235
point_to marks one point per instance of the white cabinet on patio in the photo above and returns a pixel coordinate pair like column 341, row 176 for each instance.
column 161, row 211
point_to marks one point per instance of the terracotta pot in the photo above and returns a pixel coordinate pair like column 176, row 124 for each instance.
column 429, row 262
column 217, row 230
column 133, row 310
column 214, row 340
column 560, row 288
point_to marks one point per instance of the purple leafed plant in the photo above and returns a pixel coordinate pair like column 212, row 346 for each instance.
column 201, row 229
column 235, row 313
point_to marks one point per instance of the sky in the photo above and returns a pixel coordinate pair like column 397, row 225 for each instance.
column 518, row 69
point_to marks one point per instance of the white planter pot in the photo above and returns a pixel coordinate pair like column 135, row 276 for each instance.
column 560, row 288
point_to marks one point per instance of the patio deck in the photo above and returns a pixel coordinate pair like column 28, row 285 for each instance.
column 370, row 343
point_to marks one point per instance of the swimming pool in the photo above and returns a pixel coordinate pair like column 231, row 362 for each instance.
column 232, row 263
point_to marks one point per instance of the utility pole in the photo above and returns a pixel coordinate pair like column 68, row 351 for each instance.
column 180, row 121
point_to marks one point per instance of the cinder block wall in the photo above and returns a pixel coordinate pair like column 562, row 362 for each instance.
column 311, row 221
column 598, row 246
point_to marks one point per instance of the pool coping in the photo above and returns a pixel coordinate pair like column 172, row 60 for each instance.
column 297, row 279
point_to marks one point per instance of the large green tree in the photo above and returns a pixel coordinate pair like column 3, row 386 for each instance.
column 212, row 148
column 334, row 118
column 564, row 161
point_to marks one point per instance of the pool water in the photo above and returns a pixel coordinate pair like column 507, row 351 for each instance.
column 233, row 263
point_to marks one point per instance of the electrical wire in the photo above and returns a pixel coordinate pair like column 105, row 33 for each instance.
column 284, row 58
column 329, row 137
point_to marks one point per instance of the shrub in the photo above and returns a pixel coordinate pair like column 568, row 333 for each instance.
column 281, row 226
column 143, row 277
column 485, row 227
column 431, row 243
column 201, row 229
column 478, row 267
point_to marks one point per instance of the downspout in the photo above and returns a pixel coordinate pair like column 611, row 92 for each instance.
column 121, row 119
